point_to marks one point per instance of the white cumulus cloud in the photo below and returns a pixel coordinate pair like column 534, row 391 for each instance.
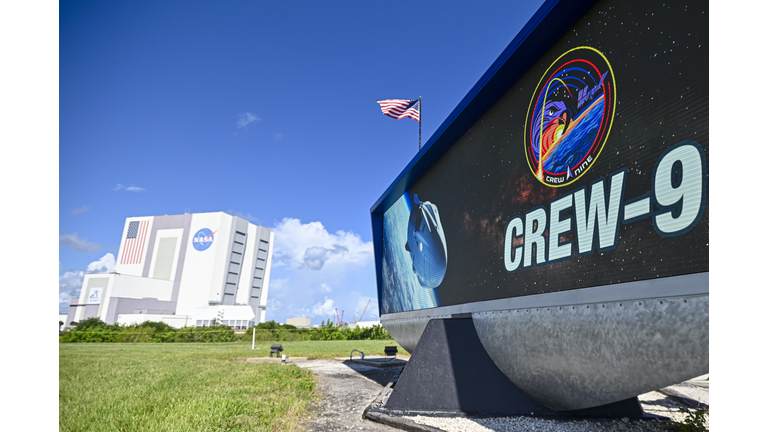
column 310, row 263
column 369, row 313
column 105, row 264
column 311, row 246
column 69, row 287
column 324, row 309
column 71, row 281
column 74, row 242
column 274, row 305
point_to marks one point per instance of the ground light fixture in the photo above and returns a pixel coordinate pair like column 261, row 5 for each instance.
column 276, row 349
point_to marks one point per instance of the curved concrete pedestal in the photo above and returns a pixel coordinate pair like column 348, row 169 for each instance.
column 450, row 373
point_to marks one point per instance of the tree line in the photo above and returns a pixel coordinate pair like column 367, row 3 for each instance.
column 96, row 330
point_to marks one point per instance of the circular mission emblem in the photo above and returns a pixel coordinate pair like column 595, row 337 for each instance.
column 202, row 239
column 570, row 116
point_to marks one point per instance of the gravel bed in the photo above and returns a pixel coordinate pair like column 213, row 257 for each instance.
column 653, row 403
column 347, row 389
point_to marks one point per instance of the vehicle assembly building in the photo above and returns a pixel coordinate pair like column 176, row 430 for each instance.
column 184, row 270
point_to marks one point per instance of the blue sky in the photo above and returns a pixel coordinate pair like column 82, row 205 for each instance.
column 265, row 110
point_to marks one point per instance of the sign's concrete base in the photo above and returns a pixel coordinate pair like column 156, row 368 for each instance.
column 276, row 360
column 450, row 374
column 379, row 362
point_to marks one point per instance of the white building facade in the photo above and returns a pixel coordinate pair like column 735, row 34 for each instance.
column 184, row 270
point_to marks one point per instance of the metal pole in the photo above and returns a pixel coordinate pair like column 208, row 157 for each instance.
column 419, row 123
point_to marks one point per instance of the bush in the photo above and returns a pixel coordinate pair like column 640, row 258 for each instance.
column 96, row 324
column 95, row 330
column 271, row 325
column 219, row 333
column 158, row 326
column 93, row 334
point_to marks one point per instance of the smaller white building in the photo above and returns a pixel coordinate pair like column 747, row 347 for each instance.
column 299, row 322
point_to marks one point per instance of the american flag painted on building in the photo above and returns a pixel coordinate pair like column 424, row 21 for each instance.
column 401, row 108
column 133, row 247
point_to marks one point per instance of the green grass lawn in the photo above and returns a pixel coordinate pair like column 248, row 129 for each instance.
column 190, row 387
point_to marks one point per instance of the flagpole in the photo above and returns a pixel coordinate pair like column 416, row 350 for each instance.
column 419, row 123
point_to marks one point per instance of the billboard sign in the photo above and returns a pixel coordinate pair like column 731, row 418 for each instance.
column 589, row 171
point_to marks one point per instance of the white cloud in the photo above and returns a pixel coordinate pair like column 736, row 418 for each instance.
column 105, row 264
column 119, row 187
column 315, row 257
column 69, row 287
column 78, row 244
column 360, row 301
column 360, row 307
column 324, row 309
column 278, row 284
column 274, row 305
column 71, row 281
column 276, row 264
column 311, row 246
column 372, row 313
column 246, row 119
column 309, row 263
column 79, row 210
column 279, row 311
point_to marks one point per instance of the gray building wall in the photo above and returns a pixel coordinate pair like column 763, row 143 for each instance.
column 259, row 266
column 91, row 311
column 121, row 305
column 169, row 222
column 73, row 307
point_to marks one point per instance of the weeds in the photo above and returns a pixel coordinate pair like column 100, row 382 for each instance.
column 694, row 421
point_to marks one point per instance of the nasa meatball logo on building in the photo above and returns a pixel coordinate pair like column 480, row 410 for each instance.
column 570, row 116
column 203, row 239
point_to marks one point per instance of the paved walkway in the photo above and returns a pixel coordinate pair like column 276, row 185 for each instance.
column 346, row 390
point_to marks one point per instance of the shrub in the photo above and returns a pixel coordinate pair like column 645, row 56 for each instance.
column 694, row 421
column 95, row 330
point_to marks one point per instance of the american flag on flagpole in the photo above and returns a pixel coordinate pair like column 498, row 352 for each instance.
column 134, row 242
column 401, row 108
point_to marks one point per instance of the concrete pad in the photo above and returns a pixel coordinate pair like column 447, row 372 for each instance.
column 704, row 377
column 346, row 390
column 380, row 362
column 276, row 360
column 691, row 395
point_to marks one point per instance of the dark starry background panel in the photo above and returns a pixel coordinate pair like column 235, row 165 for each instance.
column 659, row 55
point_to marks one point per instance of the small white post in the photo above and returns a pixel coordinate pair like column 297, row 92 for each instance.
column 253, row 343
